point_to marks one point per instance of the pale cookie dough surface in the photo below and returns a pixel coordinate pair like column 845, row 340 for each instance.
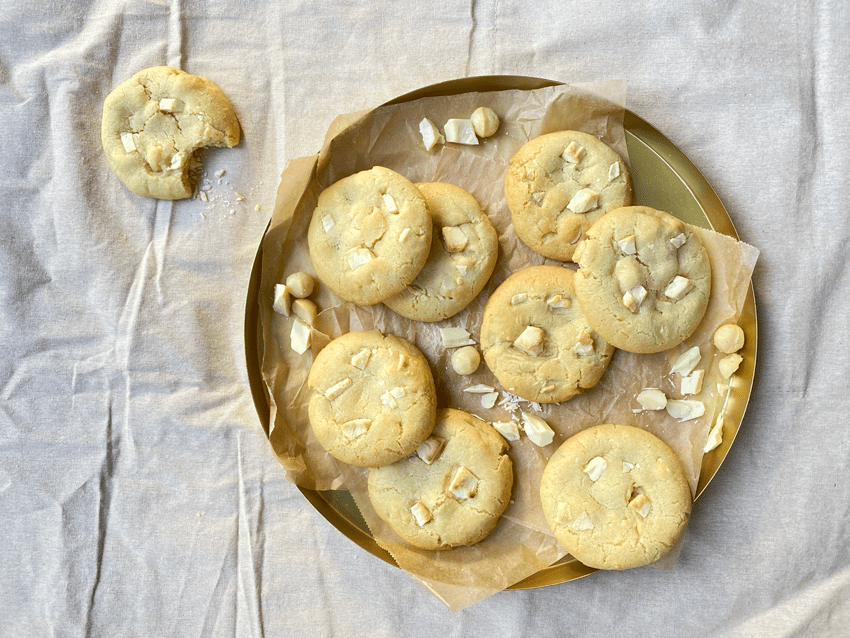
column 464, row 248
column 536, row 339
column 635, row 510
column 370, row 235
column 607, row 273
column 540, row 185
column 154, row 122
column 373, row 398
column 473, row 451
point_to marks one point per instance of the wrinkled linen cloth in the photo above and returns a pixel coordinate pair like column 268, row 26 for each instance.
column 138, row 492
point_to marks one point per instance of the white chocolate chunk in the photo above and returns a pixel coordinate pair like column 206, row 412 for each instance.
column 583, row 522
column 455, row 337
column 300, row 284
column 642, row 504
column 305, row 310
column 454, row 238
column 170, row 105
column 508, row 429
column 431, row 135
column 338, row 388
column 685, row 409
column 398, row 392
column 537, row 429
column 686, row 362
column 485, row 122
column 300, row 336
column 715, row 436
column 584, row 348
column 361, row 359
column 421, row 514
column 692, row 384
column 429, row 450
column 531, row 341
column 559, row 301
column 282, row 300
column 519, row 298
column 178, row 160
column 729, row 338
column 679, row 240
column 489, row 400
column 729, row 364
column 652, row 399
column 358, row 257
column 460, row 131
column 573, row 153
column 328, row 223
column 634, row 298
column 678, row 287
column 465, row 360
column 390, row 204
column 479, row 388
column 538, row 196
column 404, row 235
column 464, row 484
column 627, row 245
column 595, row 467
column 584, row 201
column 356, row 427
column 613, row 171
column 128, row 141
column 627, row 467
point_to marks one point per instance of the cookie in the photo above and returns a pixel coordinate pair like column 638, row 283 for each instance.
column 373, row 398
column 452, row 491
column 644, row 279
column 370, row 235
column 464, row 248
column 154, row 122
column 558, row 185
column 536, row 339
column 615, row 496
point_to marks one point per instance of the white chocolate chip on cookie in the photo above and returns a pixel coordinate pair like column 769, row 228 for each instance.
column 531, row 340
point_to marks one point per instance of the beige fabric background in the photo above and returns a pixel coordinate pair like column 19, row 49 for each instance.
column 138, row 495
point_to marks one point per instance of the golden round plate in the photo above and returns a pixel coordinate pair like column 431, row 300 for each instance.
column 665, row 179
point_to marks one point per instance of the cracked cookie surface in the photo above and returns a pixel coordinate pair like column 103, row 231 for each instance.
column 155, row 121
column 536, row 339
column 373, row 398
column 370, row 235
column 455, row 500
column 644, row 279
column 615, row 496
column 557, row 185
column 464, row 248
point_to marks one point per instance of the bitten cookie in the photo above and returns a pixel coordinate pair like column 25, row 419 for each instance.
column 154, row 122
column 452, row 491
column 536, row 339
column 615, row 496
column 644, row 279
column 558, row 185
column 370, row 235
column 373, row 398
column 464, row 248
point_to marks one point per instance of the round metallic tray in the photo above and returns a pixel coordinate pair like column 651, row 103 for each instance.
column 665, row 179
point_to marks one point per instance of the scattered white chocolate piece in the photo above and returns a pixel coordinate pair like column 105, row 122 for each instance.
column 685, row 409
column 305, row 310
column 489, row 400
column 652, row 399
column 479, row 388
column 729, row 364
column 715, row 436
column 460, row 131
column 485, row 122
column 729, row 338
column 465, row 360
column 692, row 384
column 537, row 429
column 431, row 135
column 300, row 336
column 282, row 301
column 686, row 362
column 455, row 337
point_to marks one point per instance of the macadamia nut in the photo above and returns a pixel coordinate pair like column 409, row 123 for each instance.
column 729, row 338
column 465, row 360
column 484, row 121
column 300, row 284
